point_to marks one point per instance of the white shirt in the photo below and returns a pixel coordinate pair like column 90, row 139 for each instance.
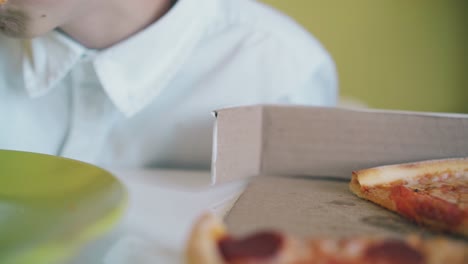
column 147, row 101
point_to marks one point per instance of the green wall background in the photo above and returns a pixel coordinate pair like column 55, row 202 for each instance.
column 393, row 54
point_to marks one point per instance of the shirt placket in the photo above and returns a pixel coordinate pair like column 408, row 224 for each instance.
column 91, row 117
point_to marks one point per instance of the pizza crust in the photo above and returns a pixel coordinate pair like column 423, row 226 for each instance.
column 378, row 196
column 202, row 245
column 409, row 171
column 3, row 2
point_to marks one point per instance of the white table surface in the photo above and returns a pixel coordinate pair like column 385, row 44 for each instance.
column 163, row 204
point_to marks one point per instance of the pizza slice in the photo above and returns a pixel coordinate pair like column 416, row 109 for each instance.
column 431, row 193
column 210, row 243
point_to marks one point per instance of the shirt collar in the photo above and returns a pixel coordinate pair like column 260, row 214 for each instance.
column 132, row 72
column 42, row 68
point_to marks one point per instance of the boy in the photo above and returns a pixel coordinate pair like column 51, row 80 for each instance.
column 132, row 83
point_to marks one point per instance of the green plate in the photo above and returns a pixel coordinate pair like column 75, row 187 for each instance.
column 50, row 206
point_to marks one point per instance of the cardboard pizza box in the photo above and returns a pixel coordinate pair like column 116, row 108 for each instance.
column 306, row 156
column 311, row 206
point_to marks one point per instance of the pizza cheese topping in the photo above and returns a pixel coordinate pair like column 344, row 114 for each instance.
column 419, row 205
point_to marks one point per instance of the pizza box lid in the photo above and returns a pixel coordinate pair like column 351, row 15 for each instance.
column 308, row 155
column 319, row 141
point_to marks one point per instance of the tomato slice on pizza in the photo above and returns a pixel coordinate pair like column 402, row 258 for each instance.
column 210, row 243
column 431, row 193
